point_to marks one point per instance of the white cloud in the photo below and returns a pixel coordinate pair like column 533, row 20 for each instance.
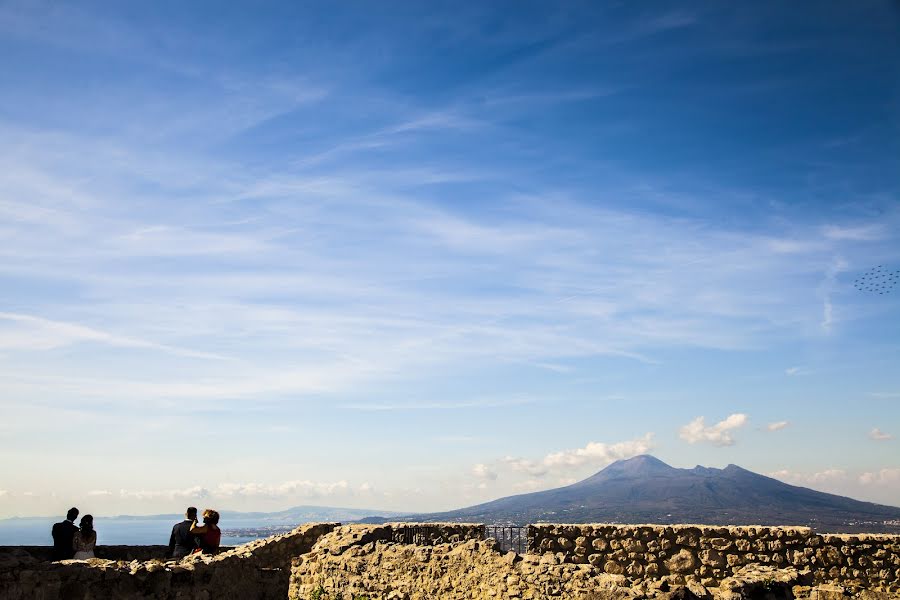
column 827, row 476
column 100, row 493
column 529, row 485
column 777, row 425
column 719, row 434
column 482, row 471
column 192, row 492
column 879, row 435
column 3, row 493
column 599, row 453
column 882, row 477
column 527, row 466
column 880, row 486
column 596, row 454
column 793, row 371
column 296, row 488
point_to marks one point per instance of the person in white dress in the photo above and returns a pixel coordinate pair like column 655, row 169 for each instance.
column 85, row 539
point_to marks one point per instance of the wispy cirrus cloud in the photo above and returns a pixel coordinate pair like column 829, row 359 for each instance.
column 30, row 332
column 450, row 405
column 634, row 304
column 861, row 233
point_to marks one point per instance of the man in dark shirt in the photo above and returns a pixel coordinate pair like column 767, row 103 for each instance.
column 62, row 533
column 181, row 542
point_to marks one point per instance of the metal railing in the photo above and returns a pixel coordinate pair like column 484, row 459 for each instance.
column 509, row 537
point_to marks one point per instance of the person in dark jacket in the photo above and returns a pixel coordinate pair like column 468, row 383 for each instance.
column 182, row 542
column 62, row 533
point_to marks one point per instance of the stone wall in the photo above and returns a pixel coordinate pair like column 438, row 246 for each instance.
column 361, row 562
column 429, row 534
column 258, row 570
column 410, row 561
column 709, row 554
column 128, row 553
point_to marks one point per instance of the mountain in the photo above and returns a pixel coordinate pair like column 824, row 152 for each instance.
column 644, row 489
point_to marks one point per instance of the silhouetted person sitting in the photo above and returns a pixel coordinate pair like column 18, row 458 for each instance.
column 85, row 539
column 209, row 534
column 63, row 532
column 182, row 542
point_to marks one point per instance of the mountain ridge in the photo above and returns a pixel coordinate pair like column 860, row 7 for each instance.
column 644, row 489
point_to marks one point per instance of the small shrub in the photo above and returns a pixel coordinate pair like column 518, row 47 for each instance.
column 318, row 594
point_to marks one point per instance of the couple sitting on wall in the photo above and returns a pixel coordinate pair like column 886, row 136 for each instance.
column 71, row 541
column 188, row 537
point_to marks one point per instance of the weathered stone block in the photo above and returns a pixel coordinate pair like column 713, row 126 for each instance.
column 613, row 568
column 713, row 558
column 683, row 562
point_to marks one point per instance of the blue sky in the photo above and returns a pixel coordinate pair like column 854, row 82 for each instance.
column 414, row 256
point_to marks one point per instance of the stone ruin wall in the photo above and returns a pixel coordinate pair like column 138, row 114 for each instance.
column 258, row 570
column 594, row 562
column 408, row 561
column 710, row 554
column 109, row 552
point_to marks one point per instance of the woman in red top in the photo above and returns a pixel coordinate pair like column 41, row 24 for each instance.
column 209, row 535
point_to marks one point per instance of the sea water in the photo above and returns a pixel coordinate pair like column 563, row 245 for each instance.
column 127, row 531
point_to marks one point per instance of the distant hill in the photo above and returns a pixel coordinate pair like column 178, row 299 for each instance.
column 310, row 514
column 644, row 489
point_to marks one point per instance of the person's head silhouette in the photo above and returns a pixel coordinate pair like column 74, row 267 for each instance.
column 210, row 517
column 191, row 513
column 72, row 514
column 87, row 524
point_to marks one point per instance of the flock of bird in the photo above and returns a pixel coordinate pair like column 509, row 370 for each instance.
column 877, row 280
